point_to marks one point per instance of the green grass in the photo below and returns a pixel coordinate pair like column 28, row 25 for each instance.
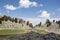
column 6, row 31
column 41, row 31
column 45, row 32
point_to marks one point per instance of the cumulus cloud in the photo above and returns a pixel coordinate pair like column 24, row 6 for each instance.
column 44, row 14
column 27, row 3
column 22, row 4
column 10, row 7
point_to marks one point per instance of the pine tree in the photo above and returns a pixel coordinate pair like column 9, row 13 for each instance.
column 16, row 20
column 39, row 24
column 0, row 21
column 48, row 22
column 58, row 22
column 31, row 25
column 27, row 22
column 53, row 20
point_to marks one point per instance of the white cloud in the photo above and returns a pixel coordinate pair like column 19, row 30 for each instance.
column 27, row 3
column 34, row 4
column 44, row 14
column 22, row 4
column 10, row 7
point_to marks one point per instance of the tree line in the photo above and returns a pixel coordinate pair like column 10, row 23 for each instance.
column 6, row 18
column 48, row 23
column 16, row 20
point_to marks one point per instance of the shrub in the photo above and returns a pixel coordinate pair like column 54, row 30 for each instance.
column 0, row 21
column 53, row 20
column 58, row 22
column 31, row 25
column 48, row 22
column 39, row 24
column 20, row 21
column 27, row 23
column 16, row 20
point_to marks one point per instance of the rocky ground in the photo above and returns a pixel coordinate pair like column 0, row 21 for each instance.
column 31, row 36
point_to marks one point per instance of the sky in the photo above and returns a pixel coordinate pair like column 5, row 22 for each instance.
column 31, row 10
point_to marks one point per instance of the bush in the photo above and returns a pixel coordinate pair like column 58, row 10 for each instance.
column 20, row 21
column 16, row 20
column 39, row 24
column 31, row 25
column 48, row 22
column 0, row 21
column 27, row 23
column 53, row 20
column 58, row 22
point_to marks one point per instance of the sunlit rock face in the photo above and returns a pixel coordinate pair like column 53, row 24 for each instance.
column 12, row 25
column 31, row 36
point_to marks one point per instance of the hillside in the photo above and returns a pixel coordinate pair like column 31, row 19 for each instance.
column 7, row 22
column 54, row 27
column 10, row 25
column 16, row 28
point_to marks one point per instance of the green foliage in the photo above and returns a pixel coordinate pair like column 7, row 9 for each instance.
column 48, row 22
column 39, row 24
column 27, row 23
column 53, row 20
column 20, row 21
column 0, row 21
column 5, row 18
column 16, row 20
column 31, row 25
column 58, row 22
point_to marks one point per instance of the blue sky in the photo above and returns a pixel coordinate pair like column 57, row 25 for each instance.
column 32, row 10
